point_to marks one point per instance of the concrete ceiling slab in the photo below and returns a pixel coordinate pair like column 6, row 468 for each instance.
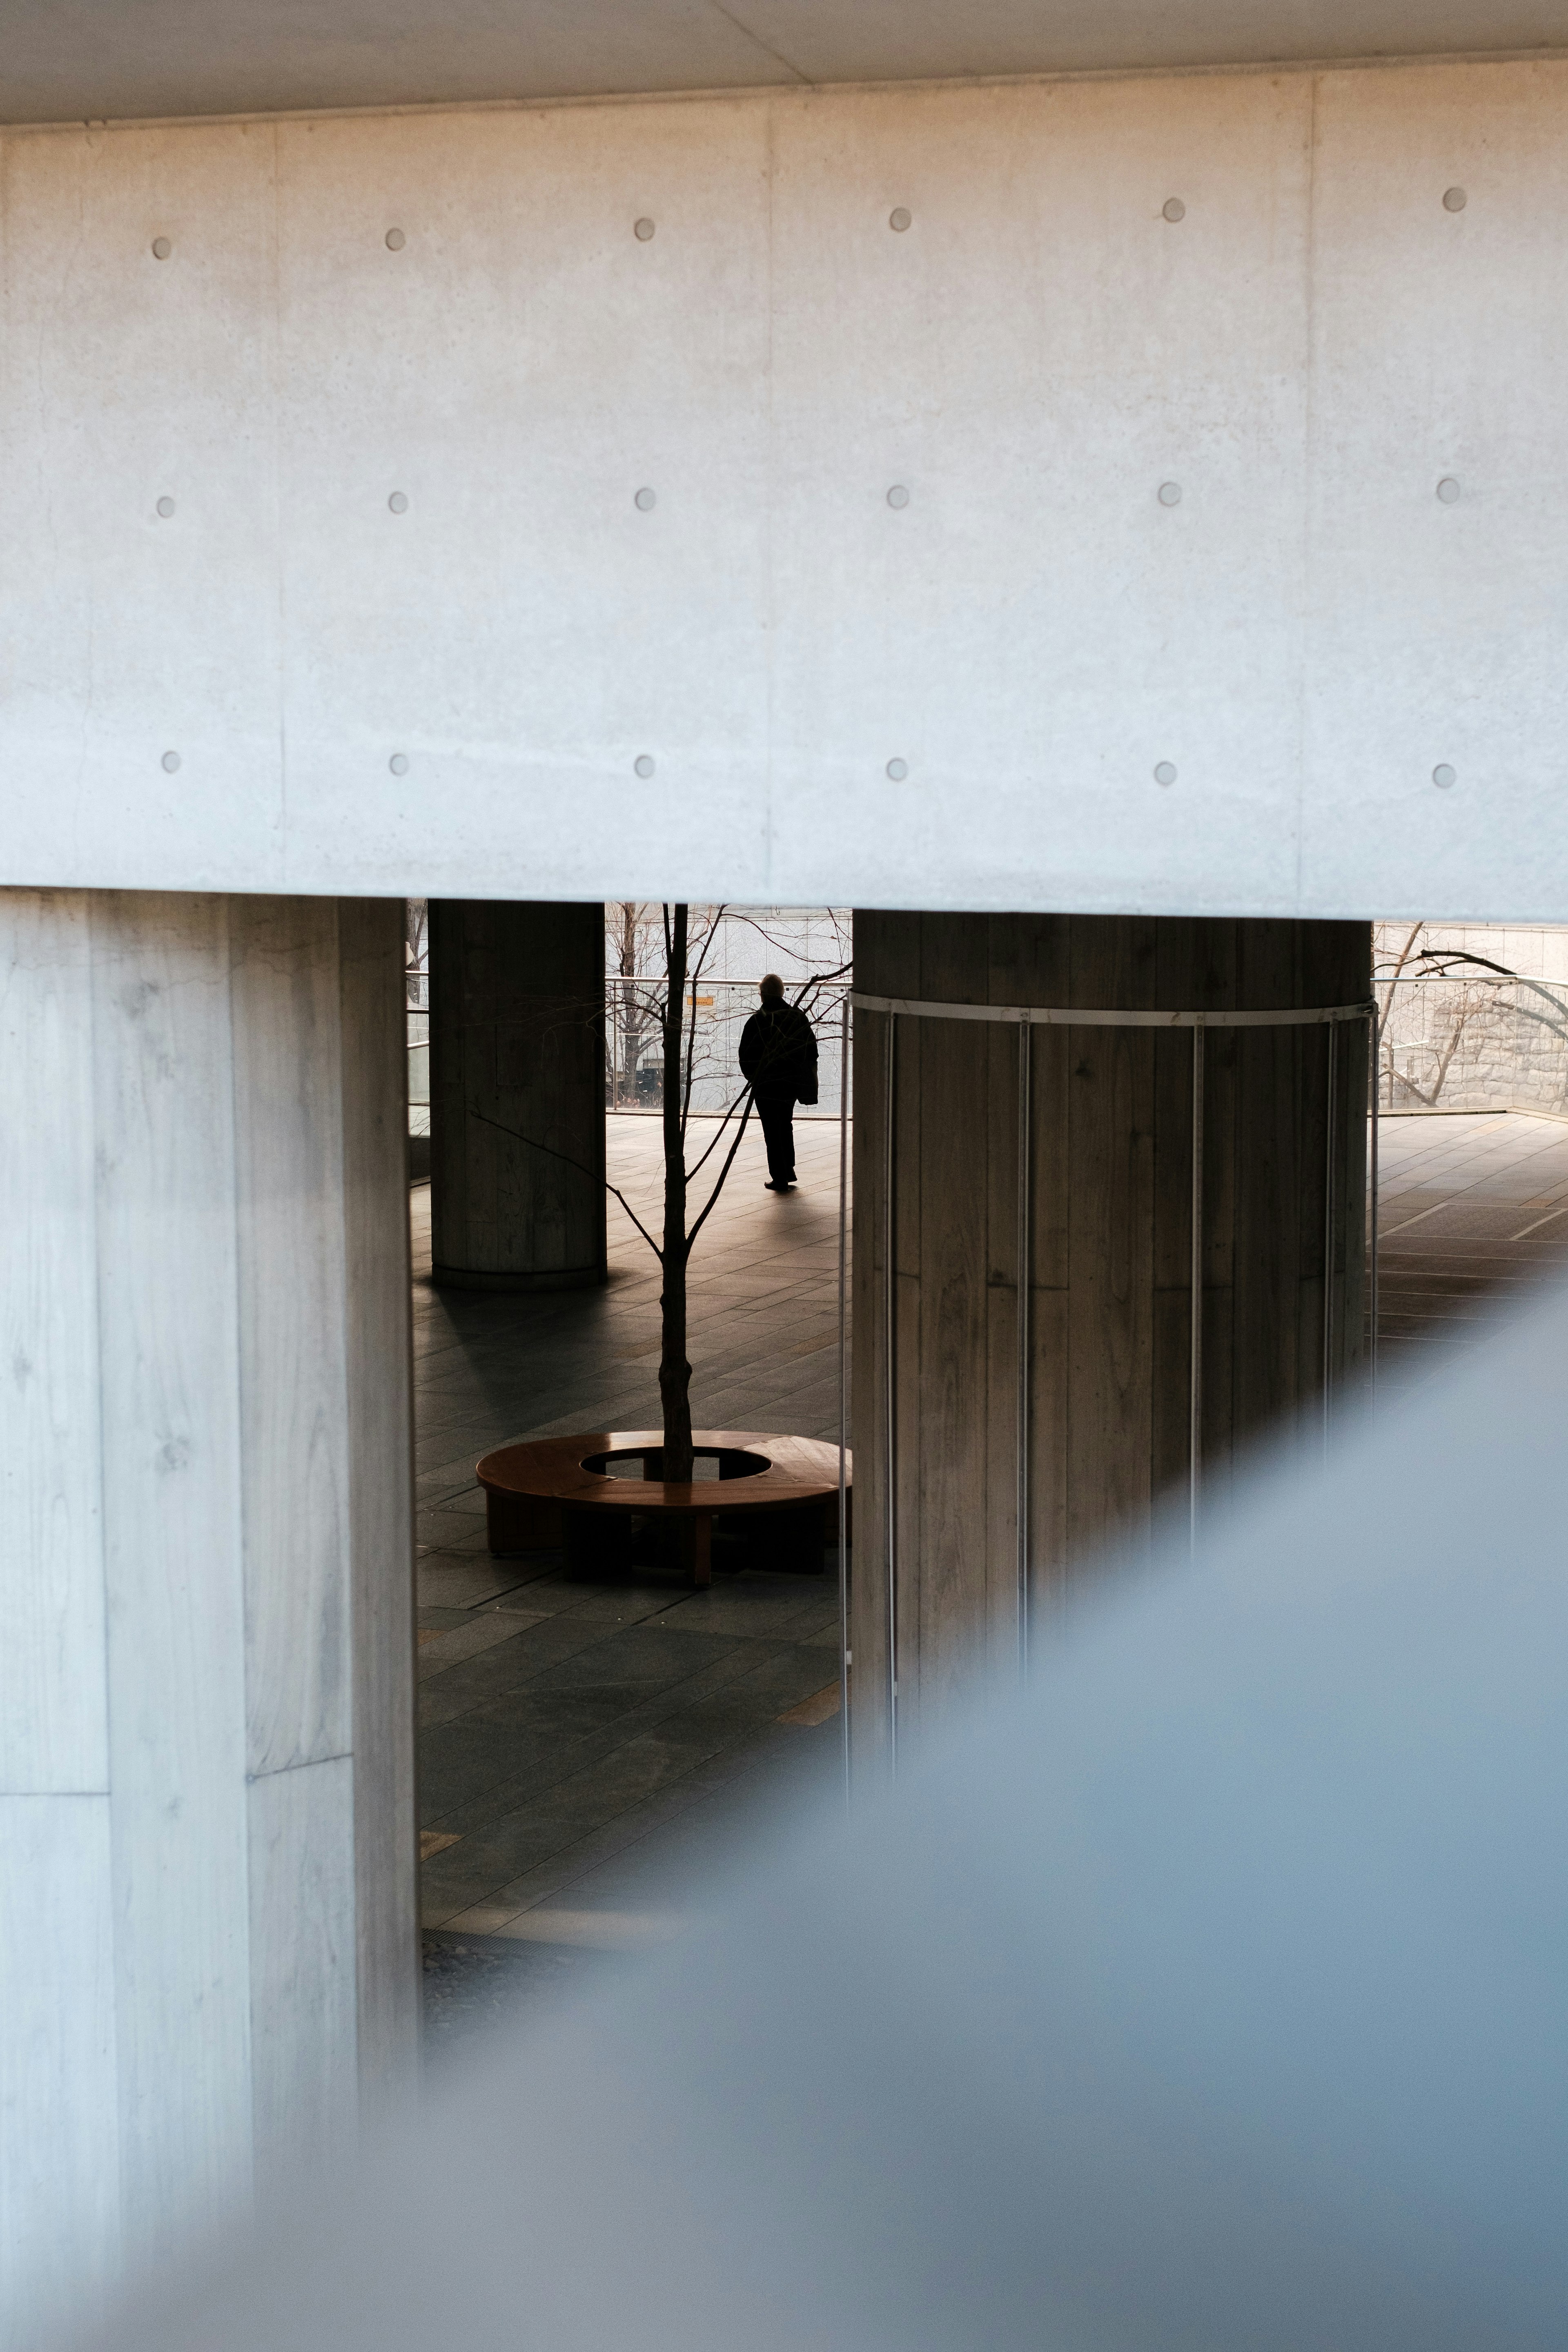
column 69, row 60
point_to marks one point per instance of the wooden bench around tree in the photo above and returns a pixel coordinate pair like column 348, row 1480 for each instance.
column 562, row 1492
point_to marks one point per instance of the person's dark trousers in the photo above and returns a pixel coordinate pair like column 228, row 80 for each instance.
column 777, row 1115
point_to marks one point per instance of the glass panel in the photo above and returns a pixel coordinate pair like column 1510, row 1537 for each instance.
column 1472, row 1043
column 634, row 1043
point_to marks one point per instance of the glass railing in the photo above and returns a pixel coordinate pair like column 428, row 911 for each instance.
column 1472, row 1041
column 717, row 1011
column 419, row 1058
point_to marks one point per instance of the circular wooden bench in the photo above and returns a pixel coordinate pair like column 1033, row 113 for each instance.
column 560, row 1492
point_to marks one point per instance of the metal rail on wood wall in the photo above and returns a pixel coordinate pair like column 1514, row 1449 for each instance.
column 844, row 1658
column 1196, row 1313
column 1025, row 1288
column 1027, row 1017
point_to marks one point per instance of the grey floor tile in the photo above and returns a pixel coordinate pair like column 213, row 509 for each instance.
column 442, row 1649
column 573, row 1725
column 462, row 1579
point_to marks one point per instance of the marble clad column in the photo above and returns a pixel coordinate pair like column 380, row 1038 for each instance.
column 517, row 1094
column 208, row 1946
column 1108, row 1390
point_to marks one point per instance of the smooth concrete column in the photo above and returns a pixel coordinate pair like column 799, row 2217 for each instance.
column 209, row 1943
column 1108, row 1391
column 517, row 1094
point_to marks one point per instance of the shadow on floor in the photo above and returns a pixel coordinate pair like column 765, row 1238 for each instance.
column 597, row 1753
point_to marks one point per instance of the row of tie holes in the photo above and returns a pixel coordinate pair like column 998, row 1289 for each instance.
column 1454, row 201
column 900, row 218
column 1443, row 775
column 645, row 500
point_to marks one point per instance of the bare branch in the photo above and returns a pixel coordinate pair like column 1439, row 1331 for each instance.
column 1401, row 960
column 719, row 1135
column 1449, row 957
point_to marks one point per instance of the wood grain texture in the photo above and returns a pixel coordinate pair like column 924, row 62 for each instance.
column 868, row 1275
column 998, row 1050
column 54, row 1730
column 1110, row 1260
column 517, row 1006
column 60, row 2176
column 210, row 1946
column 1111, row 1249
column 303, row 1973
column 168, row 1311
column 893, row 943
column 950, row 1565
column 290, row 1229
column 378, row 1359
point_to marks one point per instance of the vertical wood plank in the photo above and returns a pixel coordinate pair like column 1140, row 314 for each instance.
column 953, row 1604
column 378, row 1351
column 867, row 1274
column 1043, row 951
column 1275, row 1192
column 1221, row 1080
column 909, row 1400
column 54, row 1730
column 59, row 2183
column 1112, row 1320
column 1177, row 986
column 1351, row 1178
column 168, row 1282
column 887, row 949
column 289, row 1158
column 305, row 2071
column 1006, row 1284
column 1338, row 970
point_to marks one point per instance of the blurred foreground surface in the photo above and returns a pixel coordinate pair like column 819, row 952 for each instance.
column 1209, row 1996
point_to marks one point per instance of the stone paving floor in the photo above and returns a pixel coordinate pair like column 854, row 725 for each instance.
column 1473, row 1216
column 592, row 1753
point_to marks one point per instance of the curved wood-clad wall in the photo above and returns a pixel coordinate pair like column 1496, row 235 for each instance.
column 1110, row 1249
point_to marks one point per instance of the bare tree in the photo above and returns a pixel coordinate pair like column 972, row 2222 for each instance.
column 1473, row 1000
column 666, row 999
column 631, row 927
column 684, row 961
column 416, row 950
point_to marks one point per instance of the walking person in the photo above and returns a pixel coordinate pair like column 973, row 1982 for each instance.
column 778, row 1055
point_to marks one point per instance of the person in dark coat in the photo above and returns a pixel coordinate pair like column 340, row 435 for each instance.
column 778, row 1055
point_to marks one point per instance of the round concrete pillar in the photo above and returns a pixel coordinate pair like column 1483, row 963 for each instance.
column 208, row 1924
column 1090, row 1416
column 517, row 1094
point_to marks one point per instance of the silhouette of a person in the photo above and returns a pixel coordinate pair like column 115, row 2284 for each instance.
column 778, row 1055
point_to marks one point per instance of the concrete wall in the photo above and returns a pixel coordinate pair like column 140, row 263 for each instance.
column 455, row 699
column 208, row 1942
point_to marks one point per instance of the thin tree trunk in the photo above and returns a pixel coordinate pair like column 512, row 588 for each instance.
column 674, row 1370
column 627, row 1014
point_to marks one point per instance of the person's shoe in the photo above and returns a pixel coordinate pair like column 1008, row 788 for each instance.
column 770, row 1186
